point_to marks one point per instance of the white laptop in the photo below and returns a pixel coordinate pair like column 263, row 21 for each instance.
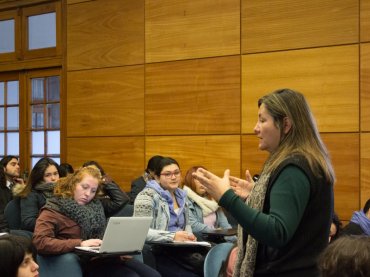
column 122, row 235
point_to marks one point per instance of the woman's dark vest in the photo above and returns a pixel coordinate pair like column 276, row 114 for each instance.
column 298, row 257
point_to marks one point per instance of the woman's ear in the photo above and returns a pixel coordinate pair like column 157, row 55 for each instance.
column 287, row 125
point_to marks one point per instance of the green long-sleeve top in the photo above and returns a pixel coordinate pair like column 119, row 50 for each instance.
column 288, row 199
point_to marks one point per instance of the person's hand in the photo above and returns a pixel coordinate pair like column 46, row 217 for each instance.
column 184, row 236
column 125, row 258
column 18, row 180
column 107, row 179
column 214, row 185
column 91, row 242
column 242, row 187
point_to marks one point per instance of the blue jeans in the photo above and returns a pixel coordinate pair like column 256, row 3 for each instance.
column 60, row 265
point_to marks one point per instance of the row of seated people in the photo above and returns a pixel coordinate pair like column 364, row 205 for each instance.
column 194, row 200
column 205, row 213
column 32, row 195
column 283, row 217
column 359, row 224
column 348, row 256
column 201, row 209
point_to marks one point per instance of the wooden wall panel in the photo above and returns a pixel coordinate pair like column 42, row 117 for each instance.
column 122, row 159
column 365, row 168
column 196, row 99
column 106, row 102
column 193, row 97
column 345, row 150
column 177, row 30
column 365, row 87
column 217, row 153
column 77, row 1
column 107, row 33
column 290, row 24
column 252, row 157
column 365, row 20
column 328, row 77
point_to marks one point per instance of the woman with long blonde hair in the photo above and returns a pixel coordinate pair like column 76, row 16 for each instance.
column 285, row 220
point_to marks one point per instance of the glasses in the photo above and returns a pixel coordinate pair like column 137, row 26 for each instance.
column 169, row 174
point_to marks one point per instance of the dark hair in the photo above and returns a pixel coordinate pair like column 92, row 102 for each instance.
column 2, row 178
column 153, row 161
column 162, row 163
column 348, row 256
column 367, row 206
column 96, row 164
column 65, row 169
column 37, row 174
column 12, row 252
column 189, row 179
column 4, row 161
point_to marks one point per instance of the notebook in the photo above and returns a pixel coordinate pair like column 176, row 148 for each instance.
column 122, row 235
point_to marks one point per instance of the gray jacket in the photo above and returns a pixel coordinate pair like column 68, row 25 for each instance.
column 196, row 218
column 150, row 203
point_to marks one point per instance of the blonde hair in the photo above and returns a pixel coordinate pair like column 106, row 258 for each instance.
column 302, row 138
column 66, row 186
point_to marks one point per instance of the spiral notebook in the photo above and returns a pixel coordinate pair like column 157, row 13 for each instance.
column 123, row 235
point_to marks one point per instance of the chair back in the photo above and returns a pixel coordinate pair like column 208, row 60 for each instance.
column 215, row 258
column 12, row 213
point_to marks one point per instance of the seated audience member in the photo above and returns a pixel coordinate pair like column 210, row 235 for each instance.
column 114, row 200
column 335, row 228
column 163, row 200
column 65, row 169
column 348, row 256
column 5, row 197
column 204, row 212
column 9, row 177
column 359, row 223
column 74, row 217
column 17, row 257
column 12, row 171
column 39, row 187
column 138, row 184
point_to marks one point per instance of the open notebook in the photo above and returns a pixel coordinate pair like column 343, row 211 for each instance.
column 122, row 235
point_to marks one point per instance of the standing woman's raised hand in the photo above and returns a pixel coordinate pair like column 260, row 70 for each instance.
column 242, row 187
column 214, row 185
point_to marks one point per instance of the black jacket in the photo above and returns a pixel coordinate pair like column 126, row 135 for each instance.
column 5, row 197
column 114, row 198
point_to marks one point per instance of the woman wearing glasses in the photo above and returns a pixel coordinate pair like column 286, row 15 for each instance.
column 163, row 200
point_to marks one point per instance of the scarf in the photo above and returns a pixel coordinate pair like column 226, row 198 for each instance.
column 177, row 220
column 47, row 189
column 361, row 219
column 208, row 206
column 89, row 217
column 245, row 263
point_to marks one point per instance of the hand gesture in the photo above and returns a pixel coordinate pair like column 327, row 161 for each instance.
column 107, row 179
column 214, row 185
column 242, row 187
column 18, row 180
